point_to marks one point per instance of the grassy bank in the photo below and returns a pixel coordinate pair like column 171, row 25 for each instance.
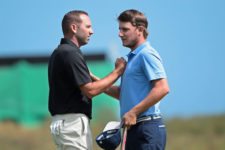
column 198, row 133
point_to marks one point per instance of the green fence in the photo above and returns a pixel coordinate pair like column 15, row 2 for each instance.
column 24, row 93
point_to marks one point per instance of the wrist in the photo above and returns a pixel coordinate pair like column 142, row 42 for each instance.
column 134, row 112
column 117, row 72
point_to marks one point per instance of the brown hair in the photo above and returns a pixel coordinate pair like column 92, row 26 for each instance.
column 136, row 18
column 71, row 17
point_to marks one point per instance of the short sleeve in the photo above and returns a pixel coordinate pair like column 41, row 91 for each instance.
column 152, row 66
column 77, row 68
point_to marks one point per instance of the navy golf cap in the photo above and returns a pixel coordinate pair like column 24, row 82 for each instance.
column 109, row 139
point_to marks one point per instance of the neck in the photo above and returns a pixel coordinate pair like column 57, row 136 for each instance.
column 73, row 39
column 141, row 41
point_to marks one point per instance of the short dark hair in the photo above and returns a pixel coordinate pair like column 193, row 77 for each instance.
column 71, row 17
column 136, row 18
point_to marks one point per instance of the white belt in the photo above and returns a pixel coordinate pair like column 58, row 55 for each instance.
column 148, row 118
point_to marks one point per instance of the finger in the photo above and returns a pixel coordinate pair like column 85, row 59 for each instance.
column 118, row 59
column 122, row 59
column 127, row 126
column 128, row 123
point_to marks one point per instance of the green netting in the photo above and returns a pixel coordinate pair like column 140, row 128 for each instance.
column 103, row 105
column 24, row 93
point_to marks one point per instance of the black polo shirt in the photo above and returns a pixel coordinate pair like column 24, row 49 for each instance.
column 67, row 70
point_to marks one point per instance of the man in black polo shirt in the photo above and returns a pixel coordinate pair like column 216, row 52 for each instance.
column 71, row 87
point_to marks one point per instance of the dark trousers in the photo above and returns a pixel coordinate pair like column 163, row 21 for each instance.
column 147, row 135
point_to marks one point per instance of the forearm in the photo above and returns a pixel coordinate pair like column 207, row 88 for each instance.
column 155, row 95
column 113, row 91
column 149, row 101
column 99, row 86
column 130, row 117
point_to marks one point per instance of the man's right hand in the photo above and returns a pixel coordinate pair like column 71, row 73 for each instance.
column 120, row 65
column 129, row 119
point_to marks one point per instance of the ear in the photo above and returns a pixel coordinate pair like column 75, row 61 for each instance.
column 74, row 28
column 141, row 29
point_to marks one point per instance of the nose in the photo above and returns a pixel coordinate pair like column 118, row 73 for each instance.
column 120, row 34
column 91, row 31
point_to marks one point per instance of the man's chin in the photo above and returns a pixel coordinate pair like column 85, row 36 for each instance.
column 125, row 45
column 84, row 43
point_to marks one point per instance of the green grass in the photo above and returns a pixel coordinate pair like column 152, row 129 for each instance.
column 198, row 133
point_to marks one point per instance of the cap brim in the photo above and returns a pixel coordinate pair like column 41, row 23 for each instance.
column 112, row 125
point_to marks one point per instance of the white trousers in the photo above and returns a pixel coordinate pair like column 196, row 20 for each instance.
column 71, row 132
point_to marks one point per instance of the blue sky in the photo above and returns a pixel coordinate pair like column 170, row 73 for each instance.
column 189, row 35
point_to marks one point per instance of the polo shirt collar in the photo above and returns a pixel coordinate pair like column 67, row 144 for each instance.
column 138, row 49
column 67, row 41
